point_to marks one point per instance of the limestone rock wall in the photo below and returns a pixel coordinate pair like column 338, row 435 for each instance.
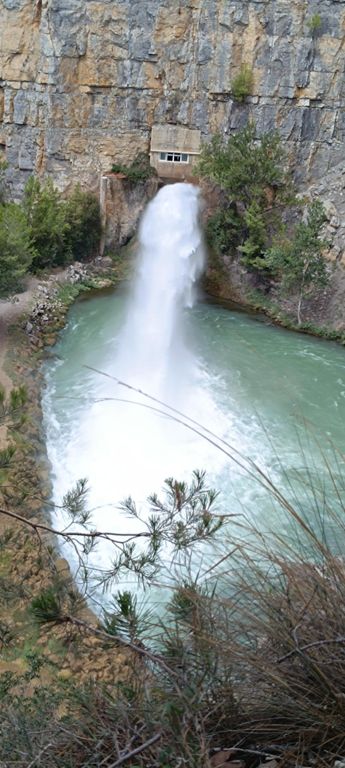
column 122, row 204
column 82, row 81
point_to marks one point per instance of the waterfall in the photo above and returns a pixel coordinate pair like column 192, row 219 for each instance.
column 153, row 354
column 115, row 437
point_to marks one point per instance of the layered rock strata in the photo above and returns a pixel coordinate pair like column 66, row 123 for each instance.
column 83, row 81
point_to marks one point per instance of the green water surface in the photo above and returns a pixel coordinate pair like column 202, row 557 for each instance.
column 278, row 397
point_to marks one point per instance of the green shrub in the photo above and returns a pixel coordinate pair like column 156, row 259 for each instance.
column 222, row 229
column 45, row 231
column 16, row 248
column 3, row 167
column 242, row 84
column 139, row 170
column 245, row 166
column 61, row 230
column 315, row 24
column 256, row 193
column 82, row 215
column 46, row 218
column 126, row 618
column 298, row 260
column 252, row 176
column 46, row 607
column 253, row 248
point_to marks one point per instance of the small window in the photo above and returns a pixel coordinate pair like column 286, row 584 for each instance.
column 173, row 157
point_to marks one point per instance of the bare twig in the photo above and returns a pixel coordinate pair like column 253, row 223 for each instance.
column 136, row 751
column 317, row 643
column 68, row 535
column 140, row 649
column 38, row 757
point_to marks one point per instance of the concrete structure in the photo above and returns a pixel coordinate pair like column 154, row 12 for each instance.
column 174, row 150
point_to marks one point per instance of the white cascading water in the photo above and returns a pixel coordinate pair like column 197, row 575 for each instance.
column 152, row 352
column 126, row 448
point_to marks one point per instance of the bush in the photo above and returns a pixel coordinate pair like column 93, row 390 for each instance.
column 315, row 24
column 298, row 260
column 82, row 215
column 139, row 170
column 16, row 248
column 3, row 168
column 61, row 230
column 253, row 249
column 45, row 607
column 242, row 84
column 252, row 176
column 245, row 166
column 45, row 231
column 222, row 229
column 256, row 194
column 46, row 219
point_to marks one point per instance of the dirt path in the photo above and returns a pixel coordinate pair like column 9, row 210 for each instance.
column 10, row 311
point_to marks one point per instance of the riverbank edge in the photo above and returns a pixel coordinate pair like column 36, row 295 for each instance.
column 255, row 303
column 25, row 348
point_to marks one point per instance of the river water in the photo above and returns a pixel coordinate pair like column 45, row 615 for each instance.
column 276, row 397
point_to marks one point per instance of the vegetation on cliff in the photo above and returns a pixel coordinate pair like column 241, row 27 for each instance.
column 242, row 84
column 139, row 170
column 298, row 261
column 253, row 179
column 256, row 219
column 62, row 230
column 16, row 247
column 45, row 230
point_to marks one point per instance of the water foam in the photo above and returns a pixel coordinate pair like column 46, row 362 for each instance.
column 153, row 351
column 127, row 448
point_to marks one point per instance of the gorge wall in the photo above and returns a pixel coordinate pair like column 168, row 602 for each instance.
column 82, row 81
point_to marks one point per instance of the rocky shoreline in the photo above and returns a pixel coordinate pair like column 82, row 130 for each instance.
column 29, row 328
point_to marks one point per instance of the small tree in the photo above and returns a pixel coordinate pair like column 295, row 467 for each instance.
column 299, row 261
column 61, row 230
column 315, row 24
column 256, row 239
column 242, row 84
column 3, row 167
column 252, row 176
column 245, row 166
column 16, row 248
column 46, row 218
column 82, row 215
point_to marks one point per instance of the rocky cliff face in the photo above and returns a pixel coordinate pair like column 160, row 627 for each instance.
column 122, row 204
column 82, row 81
